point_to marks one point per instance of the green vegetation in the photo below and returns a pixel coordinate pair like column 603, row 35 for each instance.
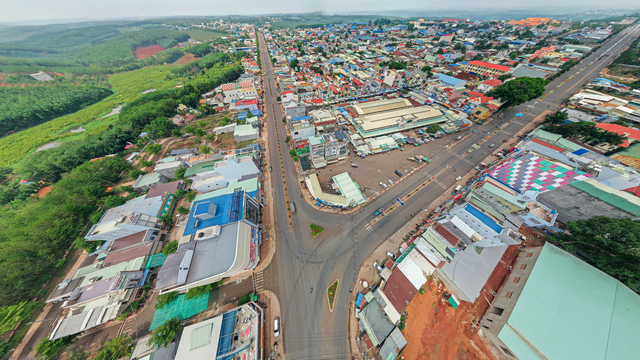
column 117, row 348
column 518, row 91
column 11, row 316
column 317, row 19
column 182, row 210
column 587, row 132
column 22, row 108
column 403, row 319
column 126, row 87
column 432, row 129
column 315, row 229
column 165, row 333
column 331, row 293
column 200, row 50
column 170, row 248
column 631, row 56
column 166, row 299
column 557, row 118
column 40, row 230
column 205, row 34
column 201, row 291
column 611, row 245
column 244, row 299
column 395, row 65
column 50, row 349
column 119, row 50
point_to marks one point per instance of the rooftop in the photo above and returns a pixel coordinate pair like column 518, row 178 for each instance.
column 570, row 310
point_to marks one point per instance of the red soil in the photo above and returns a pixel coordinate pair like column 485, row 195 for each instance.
column 144, row 52
column 434, row 330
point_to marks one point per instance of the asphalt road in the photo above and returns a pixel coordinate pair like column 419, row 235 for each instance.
column 302, row 262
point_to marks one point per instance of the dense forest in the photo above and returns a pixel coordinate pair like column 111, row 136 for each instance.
column 22, row 108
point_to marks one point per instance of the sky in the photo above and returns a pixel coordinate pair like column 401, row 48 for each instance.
column 19, row 11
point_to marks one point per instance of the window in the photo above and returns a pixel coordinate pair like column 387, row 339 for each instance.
column 516, row 280
column 485, row 326
column 498, row 311
column 523, row 266
column 529, row 254
column 508, row 294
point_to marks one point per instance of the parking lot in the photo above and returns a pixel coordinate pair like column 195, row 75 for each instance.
column 377, row 168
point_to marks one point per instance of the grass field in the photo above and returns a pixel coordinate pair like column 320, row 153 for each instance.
column 331, row 294
column 127, row 86
column 315, row 229
column 205, row 35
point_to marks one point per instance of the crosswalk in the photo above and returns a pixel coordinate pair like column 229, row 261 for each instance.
column 258, row 281
column 439, row 183
column 369, row 228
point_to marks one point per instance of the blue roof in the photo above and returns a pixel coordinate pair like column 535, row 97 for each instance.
column 485, row 219
column 449, row 80
column 227, row 209
column 581, row 151
column 243, row 115
column 300, row 118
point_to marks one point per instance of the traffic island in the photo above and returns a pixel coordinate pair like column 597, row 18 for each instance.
column 331, row 294
column 315, row 230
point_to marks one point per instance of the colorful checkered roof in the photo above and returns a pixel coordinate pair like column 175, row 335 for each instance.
column 531, row 172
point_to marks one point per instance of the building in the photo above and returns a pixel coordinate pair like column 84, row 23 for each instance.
column 235, row 334
column 167, row 167
column 216, row 174
column 136, row 215
column 485, row 68
column 220, row 239
column 245, row 133
column 147, row 181
column 302, row 130
column 243, row 90
column 555, row 306
column 383, row 117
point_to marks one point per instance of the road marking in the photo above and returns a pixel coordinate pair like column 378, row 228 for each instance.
column 258, row 281
column 368, row 227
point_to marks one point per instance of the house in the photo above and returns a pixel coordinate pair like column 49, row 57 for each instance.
column 556, row 306
column 451, row 81
column 302, row 130
column 167, row 167
column 485, row 68
column 237, row 331
column 488, row 85
column 216, row 174
column 146, row 181
column 136, row 215
column 245, row 132
column 220, row 239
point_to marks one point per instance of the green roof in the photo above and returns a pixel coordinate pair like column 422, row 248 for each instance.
column 149, row 179
column 612, row 197
column 202, row 167
column 570, row 310
column 180, row 308
column 632, row 151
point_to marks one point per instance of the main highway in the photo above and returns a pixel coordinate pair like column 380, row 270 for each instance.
column 301, row 262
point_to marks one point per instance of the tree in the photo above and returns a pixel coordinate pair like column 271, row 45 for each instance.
column 153, row 149
column 117, row 348
column 165, row 333
column 287, row 139
column 611, row 245
column 170, row 248
column 518, row 91
column 112, row 201
column 278, row 99
column 179, row 174
column 202, row 123
column 166, row 299
column 557, row 118
column 189, row 129
column 160, row 128
column 166, row 219
column 199, row 132
column 190, row 196
column 249, row 115
column 432, row 129
column 513, row 55
column 182, row 210
column 50, row 349
column 204, row 149
column 411, row 27
column 504, row 77
column 200, row 50
column 176, row 132
column 135, row 173
column 294, row 63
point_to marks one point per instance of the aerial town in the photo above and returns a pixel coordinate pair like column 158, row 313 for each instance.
column 422, row 188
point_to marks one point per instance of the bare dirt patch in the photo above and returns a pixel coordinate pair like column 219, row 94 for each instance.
column 435, row 330
column 187, row 58
column 147, row 51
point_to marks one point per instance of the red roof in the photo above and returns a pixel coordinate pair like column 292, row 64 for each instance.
column 489, row 65
column 492, row 82
column 621, row 130
column 399, row 290
column 558, row 149
column 634, row 190
column 447, row 235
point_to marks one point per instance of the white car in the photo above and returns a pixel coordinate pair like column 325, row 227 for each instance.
column 384, row 186
column 458, row 178
column 276, row 327
column 378, row 267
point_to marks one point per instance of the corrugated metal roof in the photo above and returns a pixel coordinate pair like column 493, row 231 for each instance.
column 413, row 272
column 570, row 310
column 454, row 240
column 399, row 290
column 624, row 201
column 462, row 226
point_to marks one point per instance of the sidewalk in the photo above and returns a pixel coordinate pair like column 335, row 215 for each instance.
column 271, row 306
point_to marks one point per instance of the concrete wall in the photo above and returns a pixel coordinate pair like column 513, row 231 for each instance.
column 508, row 295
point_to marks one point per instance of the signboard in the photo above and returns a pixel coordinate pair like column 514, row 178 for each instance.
column 400, row 202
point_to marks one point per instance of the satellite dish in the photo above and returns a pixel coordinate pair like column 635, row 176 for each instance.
column 365, row 284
